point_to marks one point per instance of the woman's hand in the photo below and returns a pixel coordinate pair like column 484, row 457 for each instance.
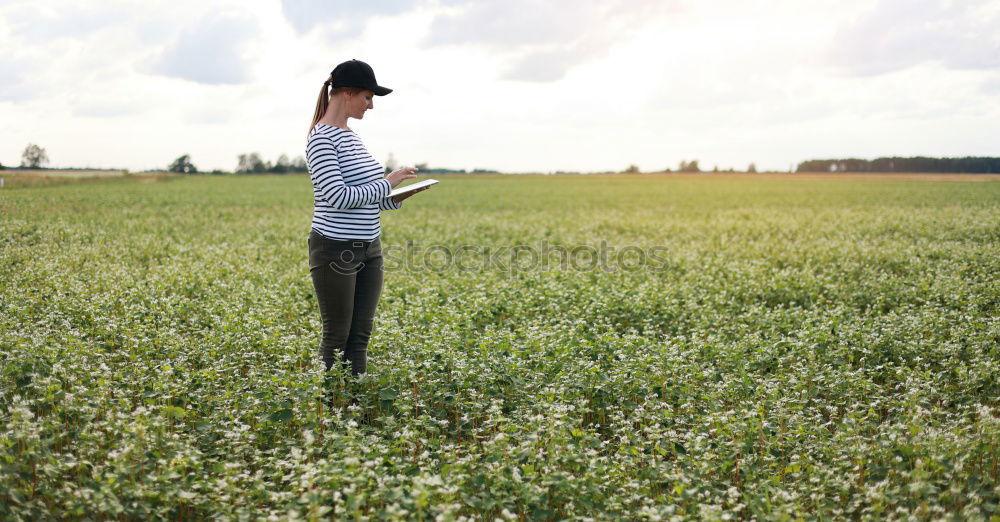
column 397, row 176
column 399, row 199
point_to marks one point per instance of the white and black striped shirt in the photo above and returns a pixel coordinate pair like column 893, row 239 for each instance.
column 349, row 187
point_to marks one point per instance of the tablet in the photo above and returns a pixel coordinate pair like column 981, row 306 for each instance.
column 412, row 186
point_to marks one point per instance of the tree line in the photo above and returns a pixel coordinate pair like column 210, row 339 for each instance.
column 689, row 166
column 250, row 163
column 34, row 157
column 966, row 165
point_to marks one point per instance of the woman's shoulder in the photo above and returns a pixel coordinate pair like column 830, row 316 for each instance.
column 327, row 138
column 323, row 129
column 323, row 132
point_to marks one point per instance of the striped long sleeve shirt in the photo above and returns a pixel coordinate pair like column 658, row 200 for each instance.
column 349, row 187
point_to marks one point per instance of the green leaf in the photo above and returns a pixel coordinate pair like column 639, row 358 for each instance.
column 282, row 415
column 175, row 412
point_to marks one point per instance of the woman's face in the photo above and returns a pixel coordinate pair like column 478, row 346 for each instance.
column 358, row 103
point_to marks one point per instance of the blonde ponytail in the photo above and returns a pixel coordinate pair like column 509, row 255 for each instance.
column 323, row 102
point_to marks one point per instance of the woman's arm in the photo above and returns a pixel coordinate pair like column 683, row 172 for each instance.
column 396, row 202
column 389, row 204
column 324, row 168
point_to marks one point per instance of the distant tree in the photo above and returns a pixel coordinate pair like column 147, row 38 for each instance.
column 421, row 166
column 249, row 163
column 632, row 169
column 281, row 166
column 33, row 157
column 183, row 165
column 2, row 167
column 752, row 168
column 441, row 170
column 715, row 168
column 689, row 166
column 299, row 165
column 390, row 164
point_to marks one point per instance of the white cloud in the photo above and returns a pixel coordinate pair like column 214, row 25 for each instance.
column 343, row 19
column 543, row 39
column 991, row 86
column 546, row 65
column 42, row 22
column 214, row 50
column 13, row 87
column 547, row 38
column 108, row 108
column 897, row 34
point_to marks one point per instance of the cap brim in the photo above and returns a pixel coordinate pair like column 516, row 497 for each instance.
column 380, row 91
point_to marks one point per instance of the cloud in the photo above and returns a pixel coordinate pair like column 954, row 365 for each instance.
column 516, row 22
column 547, row 38
column 212, row 51
column 13, row 87
column 545, row 66
column 991, row 86
column 898, row 34
column 38, row 23
column 208, row 114
column 342, row 18
column 544, row 38
column 109, row 107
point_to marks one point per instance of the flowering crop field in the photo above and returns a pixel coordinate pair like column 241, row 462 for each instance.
column 546, row 347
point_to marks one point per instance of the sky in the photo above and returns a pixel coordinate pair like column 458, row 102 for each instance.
column 513, row 85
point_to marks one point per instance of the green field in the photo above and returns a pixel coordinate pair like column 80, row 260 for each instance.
column 546, row 347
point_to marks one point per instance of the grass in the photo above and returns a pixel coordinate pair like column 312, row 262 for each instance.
column 545, row 347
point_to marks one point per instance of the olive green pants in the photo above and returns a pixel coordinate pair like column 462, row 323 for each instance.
column 347, row 276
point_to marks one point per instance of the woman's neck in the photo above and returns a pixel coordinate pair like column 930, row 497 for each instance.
column 335, row 116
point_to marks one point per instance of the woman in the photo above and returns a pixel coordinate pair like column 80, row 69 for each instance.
column 349, row 190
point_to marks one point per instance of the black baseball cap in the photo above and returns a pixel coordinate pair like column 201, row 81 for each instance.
column 355, row 73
